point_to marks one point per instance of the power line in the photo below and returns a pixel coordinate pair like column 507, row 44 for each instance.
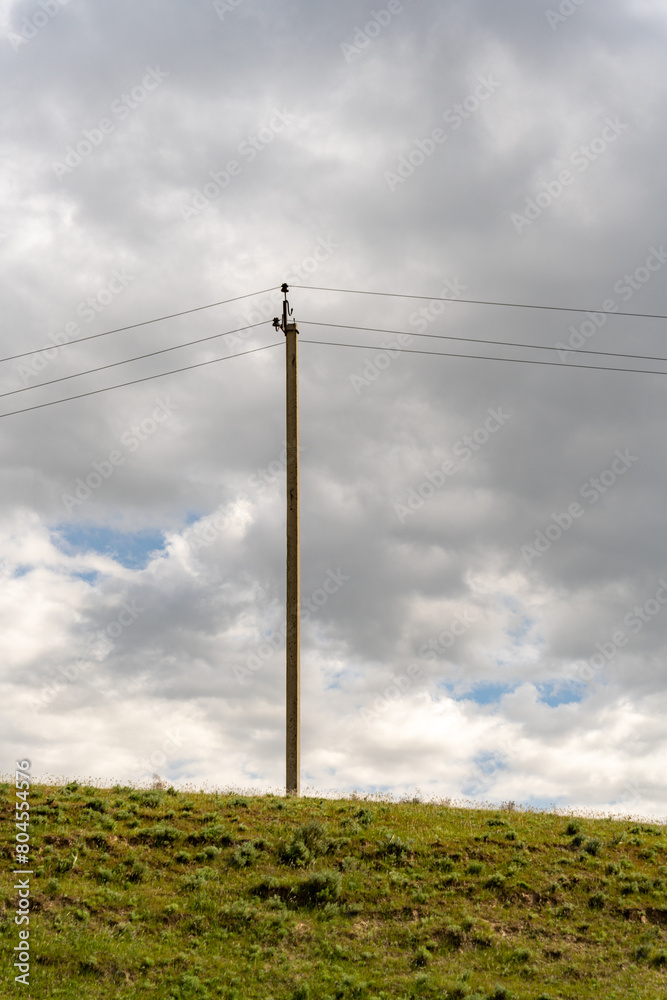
column 146, row 378
column 325, row 343
column 139, row 357
column 483, row 302
column 133, row 326
column 477, row 340
column 483, row 357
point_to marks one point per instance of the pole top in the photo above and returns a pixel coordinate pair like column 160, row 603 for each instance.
column 283, row 324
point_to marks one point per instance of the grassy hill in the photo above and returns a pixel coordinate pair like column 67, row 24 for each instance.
column 189, row 895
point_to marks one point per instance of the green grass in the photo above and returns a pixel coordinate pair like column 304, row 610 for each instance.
column 189, row 896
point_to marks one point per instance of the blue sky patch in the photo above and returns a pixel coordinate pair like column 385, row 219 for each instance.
column 521, row 630
column 554, row 694
column 192, row 516
column 489, row 763
column 130, row 549
column 483, row 693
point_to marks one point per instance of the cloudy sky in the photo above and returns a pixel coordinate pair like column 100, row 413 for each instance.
column 484, row 555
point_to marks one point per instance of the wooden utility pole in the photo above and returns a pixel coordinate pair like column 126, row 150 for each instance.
column 293, row 602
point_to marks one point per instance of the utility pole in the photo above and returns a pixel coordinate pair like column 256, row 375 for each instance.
column 293, row 603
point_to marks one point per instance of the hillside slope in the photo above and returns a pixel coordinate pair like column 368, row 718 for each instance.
column 164, row 894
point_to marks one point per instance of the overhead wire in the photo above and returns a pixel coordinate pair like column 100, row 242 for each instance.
column 342, row 326
column 477, row 357
column 482, row 302
column 134, row 326
column 127, row 361
column 326, row 343
column 146, row 378
column 483, row 357
column 478, row 340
